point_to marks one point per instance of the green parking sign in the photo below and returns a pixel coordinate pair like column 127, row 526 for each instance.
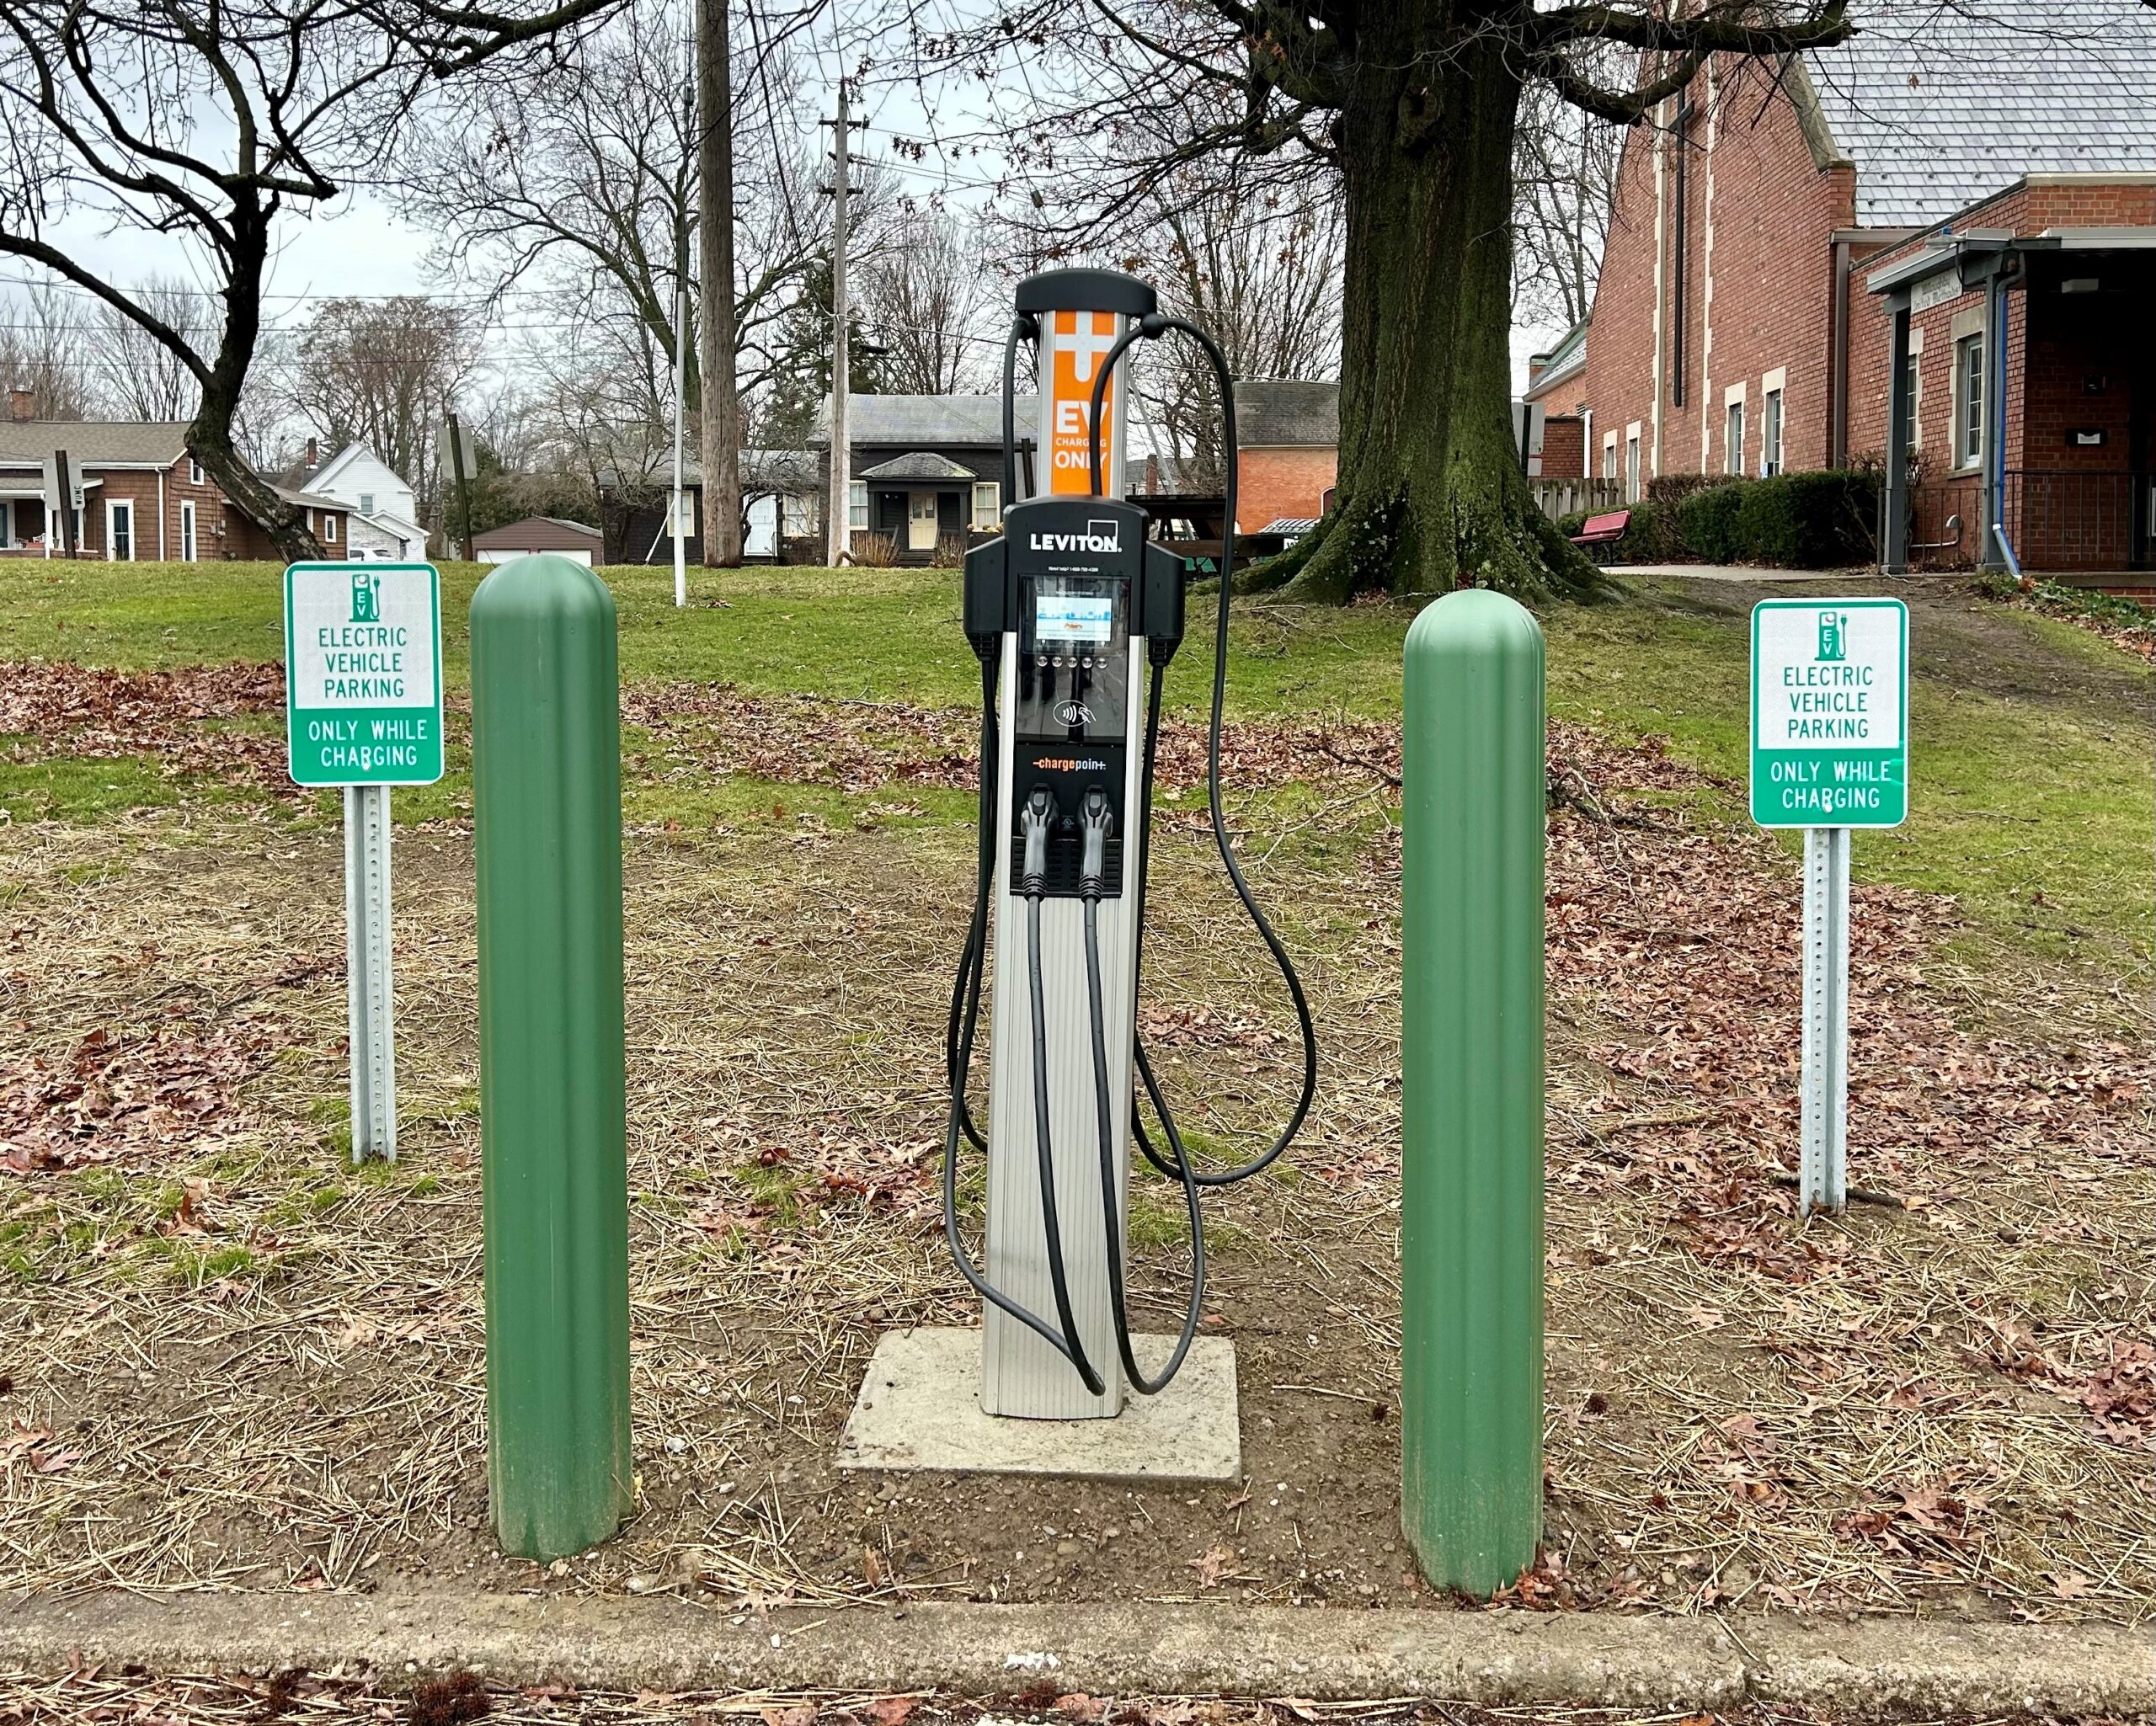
column 1830, row 712
column 363, row 673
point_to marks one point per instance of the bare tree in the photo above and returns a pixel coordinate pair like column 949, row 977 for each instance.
column 146, row 379
column 582, row 184
column 44, row 349
column 923, row 295
column 1564, row 189
column 213, row 119
column 380, row 372
column 1411, row 107
column 580, row 193
column 1255, row 267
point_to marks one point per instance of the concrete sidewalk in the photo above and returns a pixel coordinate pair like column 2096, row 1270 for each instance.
column 1872, row 1669
column 1834, row 578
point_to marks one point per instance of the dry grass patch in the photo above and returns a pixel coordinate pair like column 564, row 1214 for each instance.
column 1938, row 1409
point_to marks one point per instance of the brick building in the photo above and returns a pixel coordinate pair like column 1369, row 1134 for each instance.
column 144, row 498
column 1981, row 188
column 1287, row 450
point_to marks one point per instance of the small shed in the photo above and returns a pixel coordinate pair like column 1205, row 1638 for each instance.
column 537, row 533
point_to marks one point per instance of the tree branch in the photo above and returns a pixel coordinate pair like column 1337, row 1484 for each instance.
column 1716, row 31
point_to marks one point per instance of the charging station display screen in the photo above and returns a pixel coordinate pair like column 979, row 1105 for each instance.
column 1074, row 617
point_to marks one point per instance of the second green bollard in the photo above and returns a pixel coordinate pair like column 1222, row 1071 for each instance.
column 546, row 806
column 1471, row 1092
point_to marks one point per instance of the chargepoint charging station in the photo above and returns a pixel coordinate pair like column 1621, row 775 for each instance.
column 1076, row 618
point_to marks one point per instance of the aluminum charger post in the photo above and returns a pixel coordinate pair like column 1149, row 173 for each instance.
column 1823, row 1169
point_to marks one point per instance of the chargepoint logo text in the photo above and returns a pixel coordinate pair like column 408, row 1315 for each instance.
column 1099, row 536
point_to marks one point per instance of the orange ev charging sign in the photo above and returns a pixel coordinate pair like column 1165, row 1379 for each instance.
column 1075, row 344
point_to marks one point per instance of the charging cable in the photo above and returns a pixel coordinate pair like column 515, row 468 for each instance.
column 1149, row 327
column 1096, row 824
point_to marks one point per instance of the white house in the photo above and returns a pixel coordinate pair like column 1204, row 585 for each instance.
column 384, row 521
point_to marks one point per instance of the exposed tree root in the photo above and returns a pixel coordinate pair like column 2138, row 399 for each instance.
column 1493, row 537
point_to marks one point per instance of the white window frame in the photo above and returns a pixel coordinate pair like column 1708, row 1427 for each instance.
column 1773, row 408
column 111, row 533
column 7, row 521
column 328, row 528
column 684, row 516
column 794, row 515
column 988, row 505
column 194, row 472
column 1970, row 381
column 1733, row 429
column 1609, row 455
column 366, row 503
column 1915, row 386
column 857, row 505
column 189, row 545
column 1632, row 468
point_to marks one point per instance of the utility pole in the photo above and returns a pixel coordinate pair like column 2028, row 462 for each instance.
column 720, row 459
column 838, row 508
column 681, row 346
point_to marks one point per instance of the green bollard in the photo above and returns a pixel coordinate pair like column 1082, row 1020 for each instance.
column 546, row 804
column 1471, row 1236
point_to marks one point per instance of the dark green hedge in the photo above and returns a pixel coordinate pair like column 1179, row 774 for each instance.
column 1706, row 521
column 1819, row 520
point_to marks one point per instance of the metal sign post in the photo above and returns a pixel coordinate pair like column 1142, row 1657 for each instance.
column 363, row 712
column 366, row 968
column 1830, row 753
column 1822, row 1167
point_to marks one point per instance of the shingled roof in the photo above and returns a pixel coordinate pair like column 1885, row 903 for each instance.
column 928, row 422
column 93, row 442
column 1278, row 412
column 1941, row 104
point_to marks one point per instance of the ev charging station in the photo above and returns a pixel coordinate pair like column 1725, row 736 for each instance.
column 1075, row 620
column 1076, row 617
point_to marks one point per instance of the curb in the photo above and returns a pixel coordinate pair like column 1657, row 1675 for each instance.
column 1872, row 1668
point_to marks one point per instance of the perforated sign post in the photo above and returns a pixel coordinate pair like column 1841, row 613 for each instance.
column 1830, row 752
column 363, row 711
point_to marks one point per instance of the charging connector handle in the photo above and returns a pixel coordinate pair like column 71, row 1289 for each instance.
column 1095, row 825
column 1035, row 822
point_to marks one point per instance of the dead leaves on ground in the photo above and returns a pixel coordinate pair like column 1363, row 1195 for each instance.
column 115, row 1094
column 1685, row 943
column 183, row 718
column 2117, row 1391
column 860, row 747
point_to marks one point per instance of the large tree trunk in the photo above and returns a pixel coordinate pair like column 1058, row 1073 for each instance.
column 1431, row 492
column 719, row 403
column 209, row 435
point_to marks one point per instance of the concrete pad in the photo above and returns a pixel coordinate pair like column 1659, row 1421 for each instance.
column 920, row 1409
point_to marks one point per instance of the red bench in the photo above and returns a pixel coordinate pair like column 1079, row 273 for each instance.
column 1604, row 529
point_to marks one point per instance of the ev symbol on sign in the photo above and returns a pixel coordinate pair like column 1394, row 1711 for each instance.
column 366, row 598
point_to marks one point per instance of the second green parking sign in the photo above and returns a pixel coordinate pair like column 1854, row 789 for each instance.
column 1830, row 712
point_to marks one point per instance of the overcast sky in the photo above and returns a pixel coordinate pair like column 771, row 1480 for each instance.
column 358, row 246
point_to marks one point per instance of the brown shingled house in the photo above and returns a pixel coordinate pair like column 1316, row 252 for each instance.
column 143, row 498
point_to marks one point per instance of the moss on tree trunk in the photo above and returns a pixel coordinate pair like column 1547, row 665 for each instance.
column 1431, row 493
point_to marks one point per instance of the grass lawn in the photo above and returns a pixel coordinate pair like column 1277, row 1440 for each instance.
column 887, row 635
column 2032, row 800
column 248, row 1366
